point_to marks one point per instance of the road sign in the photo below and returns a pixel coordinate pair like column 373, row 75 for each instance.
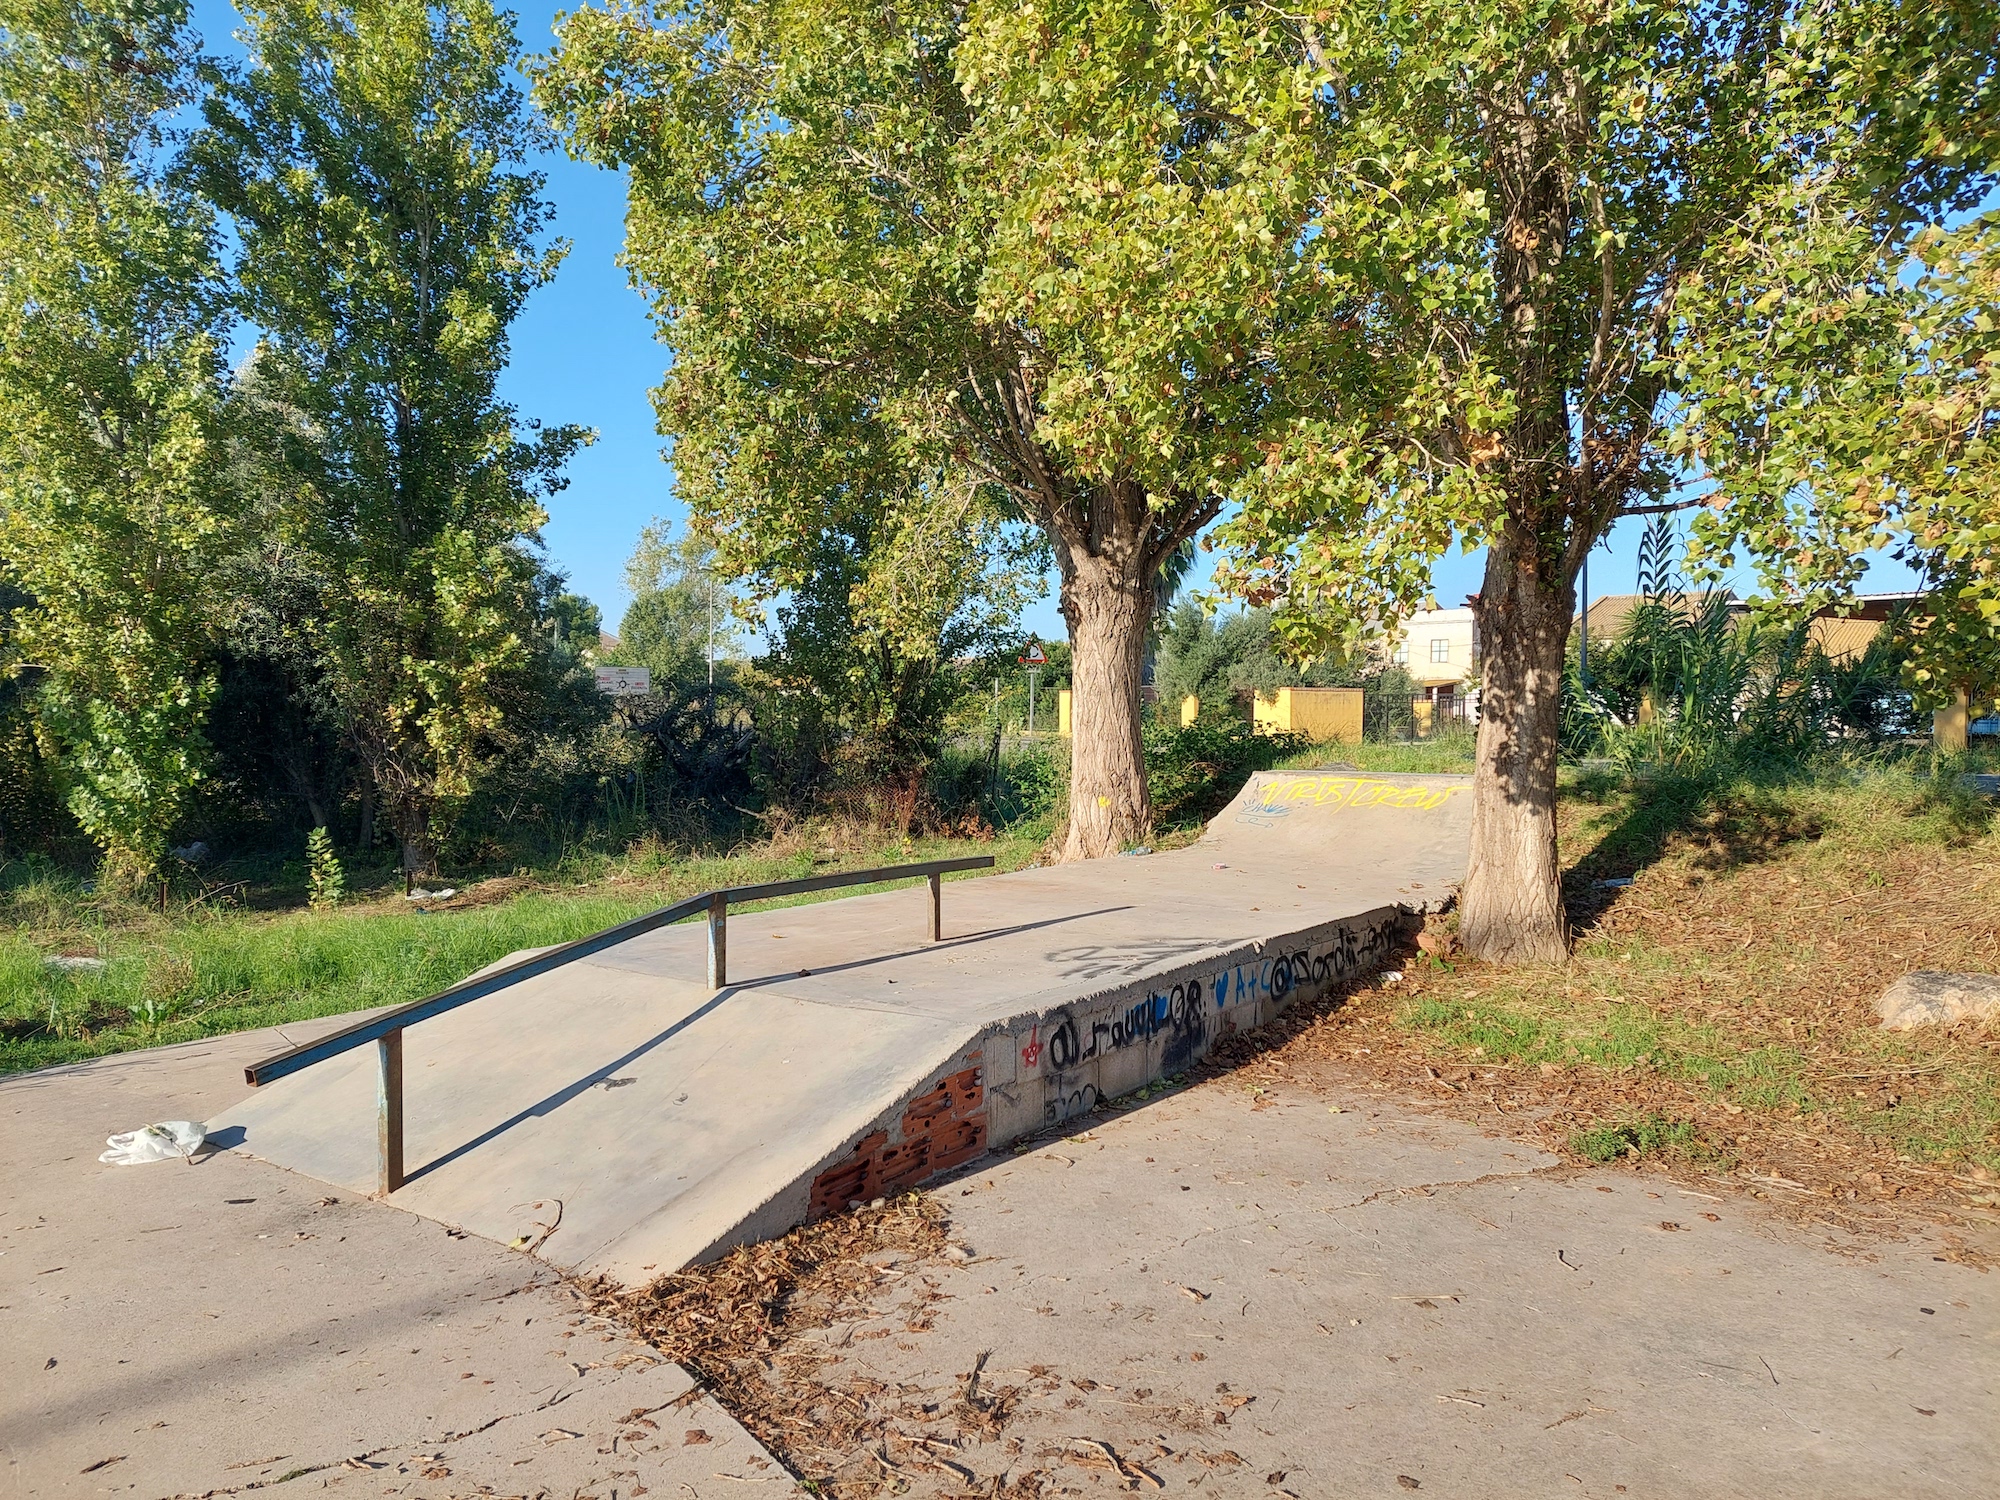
column 1034, row 656
column 624, row 682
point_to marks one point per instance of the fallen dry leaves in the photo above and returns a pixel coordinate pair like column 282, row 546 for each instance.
column 742, row 1326
column 1735, row 939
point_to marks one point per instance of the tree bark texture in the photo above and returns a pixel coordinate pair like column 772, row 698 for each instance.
column 1511, row 909
column 1107, row 608
column 1110, row 538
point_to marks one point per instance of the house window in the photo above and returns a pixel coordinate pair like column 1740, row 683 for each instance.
column 1441, row 648
column 1402, row 657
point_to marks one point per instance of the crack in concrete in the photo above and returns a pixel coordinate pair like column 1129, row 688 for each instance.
column 443, row 1442
column 1426, row 1189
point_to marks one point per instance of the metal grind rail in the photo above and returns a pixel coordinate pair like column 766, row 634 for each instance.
column 386, row 1030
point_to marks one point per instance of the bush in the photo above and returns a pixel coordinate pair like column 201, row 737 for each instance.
column 1689, row 683
column 1194, row 770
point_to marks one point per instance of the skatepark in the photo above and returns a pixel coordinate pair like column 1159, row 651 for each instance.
column 847, row 1057
column 1368, row 1294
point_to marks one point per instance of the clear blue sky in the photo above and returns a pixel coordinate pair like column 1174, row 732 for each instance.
column 583, row 351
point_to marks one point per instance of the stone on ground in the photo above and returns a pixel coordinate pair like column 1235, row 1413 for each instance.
column 1930, row 998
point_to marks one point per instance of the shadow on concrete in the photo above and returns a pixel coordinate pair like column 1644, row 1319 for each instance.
column 274, row 1348
column 562, row 1096
column 962, row 941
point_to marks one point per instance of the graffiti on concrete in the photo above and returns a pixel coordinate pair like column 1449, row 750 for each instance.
column 944, row 1127
column 1102, row 960
column 1349, row 952
column 1281, row 794
column 1177, row 1013
column 1062, row 1108
column 1063, row 1043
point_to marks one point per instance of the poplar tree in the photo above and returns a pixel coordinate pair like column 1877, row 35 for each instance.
column 820, row 220
column 372, row 158
column 1475, row 239
column 110, row 376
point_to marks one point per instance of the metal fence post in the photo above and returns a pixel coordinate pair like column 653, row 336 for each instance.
column 937, row 908
column 718, row 941
column 389, row 1113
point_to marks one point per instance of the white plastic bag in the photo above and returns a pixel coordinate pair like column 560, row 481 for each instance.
column 162, row 1142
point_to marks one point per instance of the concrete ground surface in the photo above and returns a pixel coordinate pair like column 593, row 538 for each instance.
column 1209, row 1294
column 231, row 1327
column 1214, row 1296
column 673, row 1121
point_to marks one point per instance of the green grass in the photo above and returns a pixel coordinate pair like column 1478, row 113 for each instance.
column 204, row 973
column 1652, row 1134
column 1449, row 752
column 1611, row 1037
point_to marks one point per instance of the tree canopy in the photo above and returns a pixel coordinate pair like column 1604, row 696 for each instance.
column 836, row 246
column 110, row 395
column 1468, row 244
column 371, row 159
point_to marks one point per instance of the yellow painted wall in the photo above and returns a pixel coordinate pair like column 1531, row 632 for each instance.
column 1062, row 712
column 1318, row 713
column 1190, row 709
column 1843, row 640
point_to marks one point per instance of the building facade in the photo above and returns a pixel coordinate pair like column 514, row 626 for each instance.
column 1439, row 648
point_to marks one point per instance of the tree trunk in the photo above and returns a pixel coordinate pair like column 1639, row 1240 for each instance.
column 364, row 836
column 1511, row 910
column 419, row 854
column 1107, row 606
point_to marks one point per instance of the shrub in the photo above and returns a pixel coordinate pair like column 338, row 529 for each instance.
column 325, row 878
column 1194, row 770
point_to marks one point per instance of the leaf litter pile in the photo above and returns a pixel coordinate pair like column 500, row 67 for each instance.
column 742, row 1326
column 767, row 1329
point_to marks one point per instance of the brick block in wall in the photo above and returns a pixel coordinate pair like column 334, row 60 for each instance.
column 942, row 1128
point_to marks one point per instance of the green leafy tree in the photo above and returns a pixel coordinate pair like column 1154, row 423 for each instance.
column 685, row 616
column 371, row 158
column 884, row 635
column 1851, row 402
column 1461, row 242
column 840, row 256
column 575, row 624
column 110, row 511
column 1220, row 657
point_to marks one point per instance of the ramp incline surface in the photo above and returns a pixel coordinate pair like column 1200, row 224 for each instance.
column 632, row 1121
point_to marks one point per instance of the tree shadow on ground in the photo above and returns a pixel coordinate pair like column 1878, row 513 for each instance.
column 1723, row 821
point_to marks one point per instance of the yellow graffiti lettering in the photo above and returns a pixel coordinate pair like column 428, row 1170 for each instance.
column 1356, row 791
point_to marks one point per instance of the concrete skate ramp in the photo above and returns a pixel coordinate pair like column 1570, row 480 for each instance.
column 655, row 1123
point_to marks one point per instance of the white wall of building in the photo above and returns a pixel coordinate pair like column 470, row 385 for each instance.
column 1439, row 647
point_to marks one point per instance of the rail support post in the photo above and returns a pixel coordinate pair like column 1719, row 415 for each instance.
column 718, row 941
column 389, row 1113
column 937, row 908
